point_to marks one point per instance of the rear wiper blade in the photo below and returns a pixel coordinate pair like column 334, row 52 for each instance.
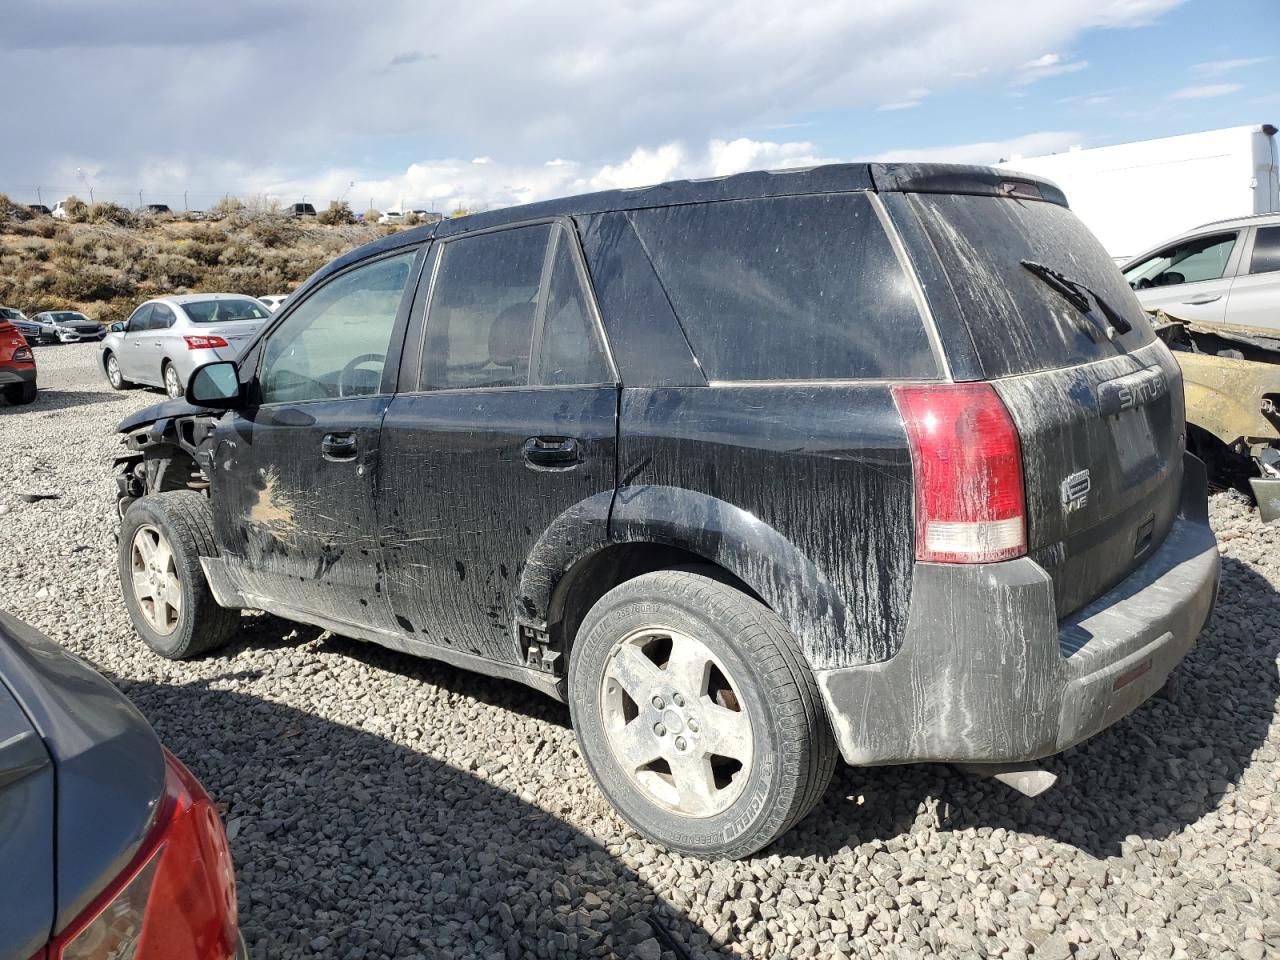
column 1077, row 294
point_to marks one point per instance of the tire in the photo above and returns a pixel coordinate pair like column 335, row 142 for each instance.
column 753, row 670
column 20, row 393
column 173, row 387
column 111, row 367
column 185, row 621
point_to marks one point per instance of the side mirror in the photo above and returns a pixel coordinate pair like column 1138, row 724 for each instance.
column 117, row 327
column 215, row 385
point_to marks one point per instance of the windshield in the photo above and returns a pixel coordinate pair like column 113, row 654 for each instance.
column 224, row 311
column 66, row 316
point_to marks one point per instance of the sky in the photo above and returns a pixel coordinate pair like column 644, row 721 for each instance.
column 447, row 105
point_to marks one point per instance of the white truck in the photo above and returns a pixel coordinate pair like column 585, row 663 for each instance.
column 1135, row 195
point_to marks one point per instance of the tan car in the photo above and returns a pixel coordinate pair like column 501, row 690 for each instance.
column 1231, row 381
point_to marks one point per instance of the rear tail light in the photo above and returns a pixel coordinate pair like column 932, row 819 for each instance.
column 177, row 898
column 969, row 500
column 204, row 343
column 23, row 355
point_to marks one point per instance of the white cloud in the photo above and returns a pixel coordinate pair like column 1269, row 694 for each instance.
column 912, row 98
column 1216, row 68
column 1045, row 66
column 1205, row 92
column 302, row 85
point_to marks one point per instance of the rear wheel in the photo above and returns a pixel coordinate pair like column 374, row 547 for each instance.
column 698, row 715
column 172, row 385
column 162, row 538
column 20, row 393
column 114, row 376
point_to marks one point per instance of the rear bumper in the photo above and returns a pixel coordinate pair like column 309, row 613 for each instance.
column 986, row 672
column 17, row 373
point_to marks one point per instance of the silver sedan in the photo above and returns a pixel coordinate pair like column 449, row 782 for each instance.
column 166, row 339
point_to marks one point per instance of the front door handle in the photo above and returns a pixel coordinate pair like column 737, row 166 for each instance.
column 1203, row 298
column 338, row 447
column 552, row 452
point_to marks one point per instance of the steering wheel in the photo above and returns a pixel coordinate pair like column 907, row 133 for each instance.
column 350, row 368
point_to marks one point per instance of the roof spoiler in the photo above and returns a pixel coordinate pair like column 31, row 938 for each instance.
column 971, row 180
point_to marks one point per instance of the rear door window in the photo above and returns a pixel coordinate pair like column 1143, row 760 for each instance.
column 1266, row 250
column 483, row 305
column 788, row 288
column 570, row 350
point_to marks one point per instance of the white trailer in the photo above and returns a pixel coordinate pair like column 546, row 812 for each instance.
column 1134, row 195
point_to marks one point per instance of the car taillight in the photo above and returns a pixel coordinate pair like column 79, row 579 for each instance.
column 23, row 355
column 204, row 343
column 177, row 898
column 970, row 505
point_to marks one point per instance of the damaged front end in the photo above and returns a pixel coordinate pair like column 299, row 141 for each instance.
column 167, row 449
column 1231, row 378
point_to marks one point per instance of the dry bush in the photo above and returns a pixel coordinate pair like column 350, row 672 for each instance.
column 77, row 210
column 338, row 214
column 11, row 211
column 105, row 211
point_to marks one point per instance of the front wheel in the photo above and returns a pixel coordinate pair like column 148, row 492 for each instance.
column 114, row 376
column 162, row 538
column 698, row 715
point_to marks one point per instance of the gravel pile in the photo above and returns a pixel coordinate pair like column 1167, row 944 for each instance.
column 383, row 806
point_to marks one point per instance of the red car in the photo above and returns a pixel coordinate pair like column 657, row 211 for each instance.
column 17, row 366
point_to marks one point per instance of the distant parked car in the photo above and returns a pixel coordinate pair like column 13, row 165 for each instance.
column 301, row 210
column 17, row 365
column 39, row 209
column 155, row 208
column 112, row 847
column 167, row 338
column 67, row 326
column 392, row 216
column 1223, row 272
column 273, row 300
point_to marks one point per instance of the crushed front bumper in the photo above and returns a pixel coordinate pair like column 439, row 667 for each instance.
column 986, row 672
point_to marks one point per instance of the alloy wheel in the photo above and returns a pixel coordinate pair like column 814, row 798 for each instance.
column 113, row 370
column 675, row 722
column 155, row 579
column 171, row 384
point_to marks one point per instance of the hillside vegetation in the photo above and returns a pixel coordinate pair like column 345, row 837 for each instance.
column 107, row 259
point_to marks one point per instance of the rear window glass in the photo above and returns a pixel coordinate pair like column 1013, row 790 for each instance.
column 1266, row 250
column 788, row 288
column 1019, row 323
column 224, row 311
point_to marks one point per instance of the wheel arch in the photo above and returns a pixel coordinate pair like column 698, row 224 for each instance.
column 660, row 528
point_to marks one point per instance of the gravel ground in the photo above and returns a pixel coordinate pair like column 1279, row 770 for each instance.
column 383, row 806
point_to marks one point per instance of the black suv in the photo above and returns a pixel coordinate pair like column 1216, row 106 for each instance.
column 878, row 459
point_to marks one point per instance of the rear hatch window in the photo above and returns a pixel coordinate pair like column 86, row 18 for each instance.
column 788, row 288
column 1020, row 323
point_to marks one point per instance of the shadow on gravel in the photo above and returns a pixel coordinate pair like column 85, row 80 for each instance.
column 1162, row 768
column 51, row 398
column 351, row 846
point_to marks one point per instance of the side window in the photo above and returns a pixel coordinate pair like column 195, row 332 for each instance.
column 161, row 318
column 1202, row 258
column 1266, row 250
column 141, row 317
column 570, row 351
column 788, row 288
column 480, row 320
column 334, row 343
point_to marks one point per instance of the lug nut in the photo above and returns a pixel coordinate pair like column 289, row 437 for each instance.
column 679, row 700
column 660, row 730
column 658, row 703
column 680, row 743
column 692, row 724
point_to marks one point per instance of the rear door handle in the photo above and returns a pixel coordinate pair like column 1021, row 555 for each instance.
column 338, row 447
column 1203, row 298
column 552, row 452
